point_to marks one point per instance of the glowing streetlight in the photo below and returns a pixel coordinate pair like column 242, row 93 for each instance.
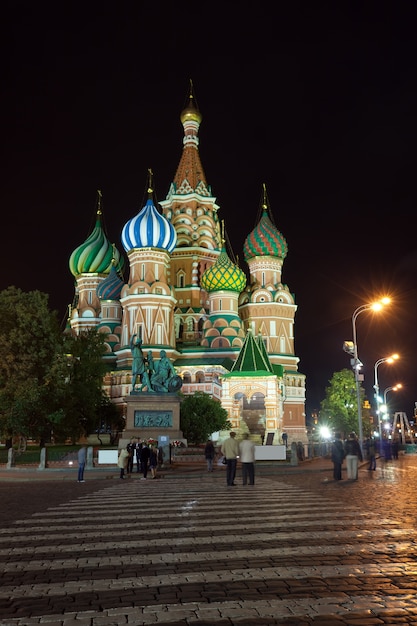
column 389, row 359
column 356, row 364
column 394, row 388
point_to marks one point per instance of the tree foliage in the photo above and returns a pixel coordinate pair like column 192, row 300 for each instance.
column 83, row 406
column 200, row 416
column 31, row 341
column 50, row 383
column 339, row 408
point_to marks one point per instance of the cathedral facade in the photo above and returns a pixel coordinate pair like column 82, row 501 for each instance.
column 229, row 333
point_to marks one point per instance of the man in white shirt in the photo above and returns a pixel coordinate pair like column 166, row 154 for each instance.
column 230, row 449
column 247, row 457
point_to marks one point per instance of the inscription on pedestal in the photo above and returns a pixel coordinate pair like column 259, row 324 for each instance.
column 156, row 419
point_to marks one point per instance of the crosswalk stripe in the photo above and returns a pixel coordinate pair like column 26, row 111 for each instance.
column 242, row 555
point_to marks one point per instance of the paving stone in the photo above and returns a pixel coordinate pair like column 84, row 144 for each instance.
column 298, row 549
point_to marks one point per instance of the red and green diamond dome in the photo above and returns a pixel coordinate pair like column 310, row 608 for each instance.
column 265, row 240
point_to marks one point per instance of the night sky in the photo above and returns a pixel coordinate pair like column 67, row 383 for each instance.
column 316, row 100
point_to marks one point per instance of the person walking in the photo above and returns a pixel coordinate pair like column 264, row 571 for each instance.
column 138, row 452
column 131, row 447
column 353, row 454
column 153, row 460
column 144, row 460
column 82, row 456
column 337, row 455
column 370, row 447
column 230, row 449
column 387, row 448
column 247, row 458
column 122, row 461
column 209, row 454
column 394, row 448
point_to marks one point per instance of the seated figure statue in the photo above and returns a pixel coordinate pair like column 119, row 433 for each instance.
column 165, row 377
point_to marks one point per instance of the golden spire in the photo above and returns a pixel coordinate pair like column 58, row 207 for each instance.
column 265, row 197
column 99, row 197
column 150, row 182
column 191, row 110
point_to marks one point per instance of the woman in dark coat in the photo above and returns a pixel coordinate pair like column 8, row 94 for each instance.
column 144, row 459
column 209, row 453
column 338, row 454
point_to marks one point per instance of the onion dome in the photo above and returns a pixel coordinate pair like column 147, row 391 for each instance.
column 223, row 275
column 149, row 229
column 191, row 111
column 95, row 255
column 111, row 287
column 265, row 239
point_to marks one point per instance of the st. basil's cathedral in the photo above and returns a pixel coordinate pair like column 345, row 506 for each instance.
column 227, row 333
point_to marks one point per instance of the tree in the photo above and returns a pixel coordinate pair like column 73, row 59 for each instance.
column 83, row 402
column 31, row 342
column 49, row 382
column 111, row 420
column 339, row 409
column 200, row 416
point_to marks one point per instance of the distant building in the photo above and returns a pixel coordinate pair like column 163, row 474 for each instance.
column 228, row 333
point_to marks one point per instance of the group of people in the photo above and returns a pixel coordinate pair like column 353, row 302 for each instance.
column 147, row 458
column 352, row 452
column 232, row 450
column 349, row 450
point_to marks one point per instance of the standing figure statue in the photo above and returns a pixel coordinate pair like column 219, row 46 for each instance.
column 165, row 377
column 139, row 366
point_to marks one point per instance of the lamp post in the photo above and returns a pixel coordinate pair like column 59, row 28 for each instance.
column 384, row 408
column 395, row 388
column 389, row 359
column 356, row 364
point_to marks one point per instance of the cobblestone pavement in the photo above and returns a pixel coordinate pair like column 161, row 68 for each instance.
column 295, row 549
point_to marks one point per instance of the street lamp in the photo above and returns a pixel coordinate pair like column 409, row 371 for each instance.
column 395, row 388
column 356, row 364
column 389, row 359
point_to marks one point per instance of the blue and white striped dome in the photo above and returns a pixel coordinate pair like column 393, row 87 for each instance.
column 149, row 229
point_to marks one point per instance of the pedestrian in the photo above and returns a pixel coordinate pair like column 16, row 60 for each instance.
column 247, row 458
column 285, row 439
column 370, row 447
column 209, row 454
column 387, row 446
column 131, row 448
column 144, row 460
column 153, row 460
column 230, row 450
column 394, row 448
column 122, row 461
column 353, row 454
column 337, row 455
column 82, row 456
column 138, row 452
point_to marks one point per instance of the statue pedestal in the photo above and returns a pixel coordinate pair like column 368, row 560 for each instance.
column 150, row 415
